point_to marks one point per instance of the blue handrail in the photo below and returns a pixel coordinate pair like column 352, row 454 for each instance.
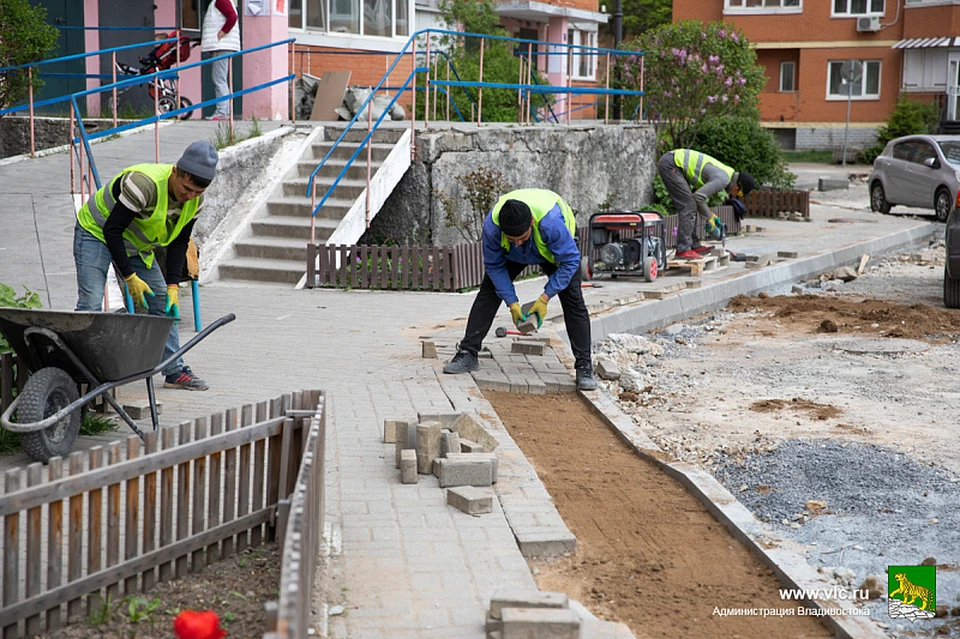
column 78, row 56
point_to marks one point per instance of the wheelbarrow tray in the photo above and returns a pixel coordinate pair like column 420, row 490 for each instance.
column 113, row 346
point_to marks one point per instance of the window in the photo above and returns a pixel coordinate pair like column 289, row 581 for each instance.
column 762, row 4
column 584, row 62
column 857, row 7
column 189, row 14
column 868, row 86
column 383, row 18
column 788, row 76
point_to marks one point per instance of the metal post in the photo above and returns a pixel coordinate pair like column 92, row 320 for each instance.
column 530, row 66
column 370, row 151
column 230, row 85
column 569, row 82
column 436, row 98
column 73, row 177
column 293, row 84
column 113, row 90
column 617, row 39
column 606, row 97
column 413, row 117
column 426, row 89
column 480, row 89
column 520, row 92
column 313, row 214
column 846, row 127
column 176, row 82
column 30, row 92
column 156, row 113
column 447, row 112
column 643, row 59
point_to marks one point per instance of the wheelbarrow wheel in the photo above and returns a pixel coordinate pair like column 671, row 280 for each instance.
column 46, row 392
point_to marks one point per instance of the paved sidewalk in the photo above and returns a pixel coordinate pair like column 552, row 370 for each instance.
column 404, row 563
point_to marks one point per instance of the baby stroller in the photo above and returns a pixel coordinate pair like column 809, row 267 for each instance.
column 161, row 58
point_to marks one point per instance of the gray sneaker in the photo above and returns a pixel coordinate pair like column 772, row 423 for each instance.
column 462, row 362
column 585, row 379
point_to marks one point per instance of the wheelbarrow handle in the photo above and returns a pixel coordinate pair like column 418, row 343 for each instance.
column 226, row 319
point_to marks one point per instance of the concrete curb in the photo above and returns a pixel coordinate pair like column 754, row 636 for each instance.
column 791, row 568
column 654, row 314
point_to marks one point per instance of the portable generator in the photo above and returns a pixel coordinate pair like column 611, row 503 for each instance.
column 625, row 243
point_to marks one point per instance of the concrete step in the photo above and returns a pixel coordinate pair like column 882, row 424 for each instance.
column 273, row 248
column 357, row 170
column 292, row 228
column 358, row 133
column 346, row 189
column 344, row 150
column 261, row 270
column 333, row 209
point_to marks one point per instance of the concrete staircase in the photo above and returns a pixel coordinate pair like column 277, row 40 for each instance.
column 275, row 247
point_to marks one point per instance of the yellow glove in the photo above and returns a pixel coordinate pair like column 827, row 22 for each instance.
column 516, row 313
column 173, row 301
column 540, row 308
column 138, row 289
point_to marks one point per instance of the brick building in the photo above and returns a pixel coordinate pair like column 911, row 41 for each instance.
column 901, row 46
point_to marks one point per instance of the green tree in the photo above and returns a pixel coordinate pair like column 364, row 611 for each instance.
column 639, row 15
column 692, row 72
column 909, row 117
column 24, row 37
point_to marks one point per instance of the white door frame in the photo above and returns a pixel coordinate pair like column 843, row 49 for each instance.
column 953, row 85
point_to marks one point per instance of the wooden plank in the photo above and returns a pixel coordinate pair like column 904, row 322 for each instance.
column 311, row 265
column 131, row 517
column 286, row 460
column 183, row 501
column 330, row 92
column 274, row 458
column 95, row 530
column 75, row 534
column 11, row 553
column 243, row 496
column 54, row 543
column 404, row 267
column 198, row 559
column 395, row 267
column 148, row 578
column 324, row 265
column 214, row 488
column 354, row 268
column 344, row 274
column 113, row 525
column 67, row 487
column 95, row 581
column 168, row 438
column 259, row 464
column 229, row 485
column 34, row 547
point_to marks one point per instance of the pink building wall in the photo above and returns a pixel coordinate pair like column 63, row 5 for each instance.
column 166, row 14
column 271, row 103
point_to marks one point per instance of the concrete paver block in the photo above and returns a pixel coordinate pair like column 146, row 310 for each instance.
column 559, row 382
column 546, row 542
column 540, row 623
column 788, row 254
column 449, row 442
column 390, row 427
column 480, row 455
column 507, row 597
column 406, row 438
column 467, row 446
column 832, row 184
column 527, row 348
column 445, row 419
column 408, row 466
column 470, row 427
column 140, row 408
column 470, row 499
column 465, row 472
column 428, row 445
column 607, row 369
column 492, row 380
column 536, row 386
column 429, row 350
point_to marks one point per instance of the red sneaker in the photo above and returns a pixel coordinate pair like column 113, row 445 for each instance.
column 689, row 255
column 703, row 250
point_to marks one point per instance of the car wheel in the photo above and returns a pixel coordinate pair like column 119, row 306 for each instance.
column 942, row 203
column 878, row 199
column 951, row 290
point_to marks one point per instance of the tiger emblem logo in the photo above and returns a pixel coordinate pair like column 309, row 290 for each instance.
column 911, row 592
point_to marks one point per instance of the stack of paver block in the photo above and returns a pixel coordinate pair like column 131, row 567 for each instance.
column 455, row 447
column 534, row 614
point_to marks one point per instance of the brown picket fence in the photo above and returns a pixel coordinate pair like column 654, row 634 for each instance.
column 770, row 203
column 112, row 521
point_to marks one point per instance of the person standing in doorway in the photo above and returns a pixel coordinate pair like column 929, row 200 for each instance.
column 221, row 35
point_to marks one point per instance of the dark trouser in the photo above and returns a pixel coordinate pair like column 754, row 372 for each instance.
column 682, row 196
column 575, row 314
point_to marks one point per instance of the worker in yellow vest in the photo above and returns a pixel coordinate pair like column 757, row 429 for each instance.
column 529, row 226
column 145, row 207
column 691, row 178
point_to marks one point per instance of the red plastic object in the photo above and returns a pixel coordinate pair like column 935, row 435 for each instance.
column 190, row 624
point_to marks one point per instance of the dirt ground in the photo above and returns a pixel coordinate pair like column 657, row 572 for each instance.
column 236, row 589
column 648, row 553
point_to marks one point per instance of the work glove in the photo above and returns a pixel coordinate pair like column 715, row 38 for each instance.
column 516, row 313
column 540, row 308
column 138, row 289
column 173, row 301
column 713, row 227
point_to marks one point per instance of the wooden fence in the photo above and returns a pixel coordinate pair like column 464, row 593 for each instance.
column 86, row 530
column 769, row 203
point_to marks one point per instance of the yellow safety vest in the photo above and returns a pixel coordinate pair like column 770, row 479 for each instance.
column 692, row 163
column 541, row 202
column 143, row 235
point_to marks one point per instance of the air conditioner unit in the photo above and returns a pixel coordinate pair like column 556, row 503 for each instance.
column 868, row 24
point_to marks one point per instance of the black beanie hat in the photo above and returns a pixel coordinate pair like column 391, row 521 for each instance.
column 746, row 182
column 515, row 218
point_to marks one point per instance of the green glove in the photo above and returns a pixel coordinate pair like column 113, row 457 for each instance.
column 540, row 308
column 516, row 313
column 173, row 301
column 138, row 289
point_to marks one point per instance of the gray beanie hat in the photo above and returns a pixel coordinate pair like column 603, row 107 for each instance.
column 200, row 159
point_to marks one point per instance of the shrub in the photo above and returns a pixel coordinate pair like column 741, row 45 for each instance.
column 744, row 145
column 9, row 298
column 483, row 187
column 24, row 37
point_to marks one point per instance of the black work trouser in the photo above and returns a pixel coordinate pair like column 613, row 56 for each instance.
column 575, row 314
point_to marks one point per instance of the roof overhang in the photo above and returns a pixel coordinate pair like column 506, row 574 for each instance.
column 928, row 43
column 541, row 11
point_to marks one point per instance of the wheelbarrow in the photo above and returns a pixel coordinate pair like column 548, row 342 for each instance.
column 62, row 349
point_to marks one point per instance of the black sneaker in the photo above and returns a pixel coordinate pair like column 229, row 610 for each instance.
column 462, row 362
column 586, row 380
column 186, row 380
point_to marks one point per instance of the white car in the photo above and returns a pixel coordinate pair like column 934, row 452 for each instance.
column 917, row 170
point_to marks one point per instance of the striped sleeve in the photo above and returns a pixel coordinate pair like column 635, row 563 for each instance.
column 138, row 192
